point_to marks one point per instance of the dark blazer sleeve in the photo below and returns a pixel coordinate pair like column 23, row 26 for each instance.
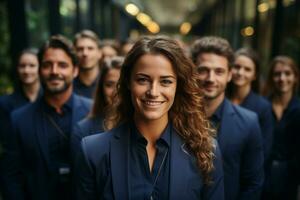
column 215, row 191
column 252, row 173
column 13, row 178
column 91, row 168
column 85, row 184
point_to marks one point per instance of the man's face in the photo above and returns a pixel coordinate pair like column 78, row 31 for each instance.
column 57, row 71
column 88, row 53
column 213, row 73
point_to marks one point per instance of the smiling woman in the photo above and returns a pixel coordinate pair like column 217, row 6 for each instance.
column 161, row 145
column 282, row 86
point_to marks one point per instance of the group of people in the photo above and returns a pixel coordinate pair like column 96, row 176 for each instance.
column 153, row 122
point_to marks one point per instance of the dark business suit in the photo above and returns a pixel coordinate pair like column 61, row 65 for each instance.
column 31, row 173
column 240, row 142
column 284, row 165
column 263, row 109
column 8, row 103
column 85, row 127
column 103, row 165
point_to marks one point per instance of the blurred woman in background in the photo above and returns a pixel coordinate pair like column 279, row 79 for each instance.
column 27, row 91
column 244, row 88
column 103, row 98
column 281, row 87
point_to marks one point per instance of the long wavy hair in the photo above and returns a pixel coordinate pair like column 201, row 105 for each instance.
column 101, row 105
column 269, row 89
column 187, row 112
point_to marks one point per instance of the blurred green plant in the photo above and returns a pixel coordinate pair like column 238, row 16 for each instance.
column 5, row 62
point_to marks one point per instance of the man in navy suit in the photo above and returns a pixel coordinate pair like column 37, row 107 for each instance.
column 89, row 54
column 38, row 158
column 238, row 132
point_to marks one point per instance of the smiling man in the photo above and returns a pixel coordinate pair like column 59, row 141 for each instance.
column 39, row 154
column 238, row 132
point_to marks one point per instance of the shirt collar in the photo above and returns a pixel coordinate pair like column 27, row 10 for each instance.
column 165, row 136
column 217, row 116
column 66, row 107
column 78, row 82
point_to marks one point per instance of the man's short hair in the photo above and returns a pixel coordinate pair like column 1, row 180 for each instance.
column 58, row 42
column 87, row 34
column 215, row 45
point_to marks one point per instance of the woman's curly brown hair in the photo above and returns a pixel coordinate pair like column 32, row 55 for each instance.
column 187, row 112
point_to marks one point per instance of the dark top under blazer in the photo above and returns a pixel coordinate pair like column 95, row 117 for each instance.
column 28, row 156
column 263, row 109
column 103, row 164
column 240, row 142
column 85, row 127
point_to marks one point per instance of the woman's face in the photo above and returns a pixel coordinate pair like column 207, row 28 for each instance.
column 28, row 69
column 243, row 71
column 110, row 84
column 284, row 78
column 153, row 85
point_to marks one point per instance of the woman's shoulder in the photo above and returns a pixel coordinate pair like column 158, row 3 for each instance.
column 97, row 143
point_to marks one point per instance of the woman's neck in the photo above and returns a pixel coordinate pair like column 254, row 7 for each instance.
column 240, row 94
column 31, row 91
column 151, row 129
column 282, row 99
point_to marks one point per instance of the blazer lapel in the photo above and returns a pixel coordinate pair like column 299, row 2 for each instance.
column 79, row 110
column 179, row 163
column 119, row 162
column 226, row 121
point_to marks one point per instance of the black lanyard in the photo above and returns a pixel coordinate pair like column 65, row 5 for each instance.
column 56, row 126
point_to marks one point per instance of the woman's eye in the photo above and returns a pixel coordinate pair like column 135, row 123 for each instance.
column 141, row 80
column 166, row 82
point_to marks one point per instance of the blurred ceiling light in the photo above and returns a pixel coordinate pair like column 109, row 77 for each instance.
column 247, row 31
column 263, row 7
column 143, row 18
column 153, row 27
column 132, row 9
column 185, row 28
column 287, row 3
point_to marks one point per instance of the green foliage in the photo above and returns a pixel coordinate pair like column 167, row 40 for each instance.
column 5, row 63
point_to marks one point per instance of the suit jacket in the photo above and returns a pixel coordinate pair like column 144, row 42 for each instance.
column 103, row 163
column 8, row 103
column 31, row 173
column 240, row 142
column 85, row 127
column 263, row 109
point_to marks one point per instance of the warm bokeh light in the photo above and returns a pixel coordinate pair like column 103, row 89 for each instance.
column 153, row 27
column 143, row 18
column 263, row 7
column 132, row 9
column 247, row 31
column 185, row 28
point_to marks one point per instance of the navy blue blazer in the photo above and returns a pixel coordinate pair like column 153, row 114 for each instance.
column 8, row 103
column 31, row 174
column 103, row 162
column 263, row 109
column 85, row 127
column 240, row 141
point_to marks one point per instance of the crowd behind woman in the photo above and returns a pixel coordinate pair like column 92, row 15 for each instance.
column 118, row 106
